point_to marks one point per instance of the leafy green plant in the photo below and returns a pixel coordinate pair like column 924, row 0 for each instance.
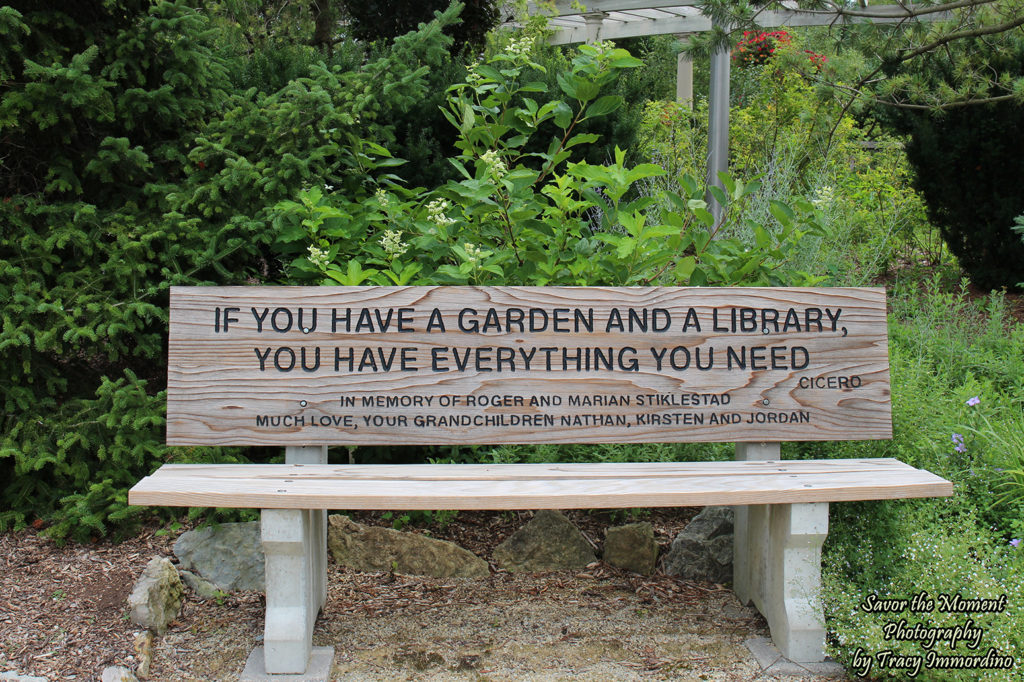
column 522, row 217
column 131, row 165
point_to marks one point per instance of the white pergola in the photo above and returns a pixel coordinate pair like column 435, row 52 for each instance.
column 615, row 19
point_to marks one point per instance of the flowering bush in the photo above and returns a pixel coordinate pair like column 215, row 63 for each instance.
column 759, row 47
column 519, row 216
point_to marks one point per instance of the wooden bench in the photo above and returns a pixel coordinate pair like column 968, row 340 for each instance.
column 781, row 520
column 308, row 367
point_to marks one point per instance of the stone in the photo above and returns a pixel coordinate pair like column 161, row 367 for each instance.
column 703, row 550
column 156, row 598
column 321, row 660
column 374, row 549
column 229, row 556
column 200, row 586
column 549, row 542
column 632, row 547
column 144, row 650
column 12, row 676
column 117, row 673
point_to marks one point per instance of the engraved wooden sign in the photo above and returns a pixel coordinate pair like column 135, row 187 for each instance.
column 446, row 365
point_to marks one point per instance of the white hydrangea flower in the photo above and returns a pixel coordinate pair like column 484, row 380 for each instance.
column 474, row 254
column 436, row 210
column 824, row 198
column 520, row 48
column 393, row 244
column 496, row 163
column 472, row 77
column 317, row 257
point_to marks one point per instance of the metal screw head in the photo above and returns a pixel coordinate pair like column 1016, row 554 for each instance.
column 303, row 403
column 305, row 330
column 765, row 402
column 765, row 331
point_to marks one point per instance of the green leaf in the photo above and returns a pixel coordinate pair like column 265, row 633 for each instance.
column 563, row 114
column 685, row 268
column 783, row 213
column 604, row 105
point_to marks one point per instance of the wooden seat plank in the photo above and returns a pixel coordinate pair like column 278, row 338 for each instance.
column 555, row 486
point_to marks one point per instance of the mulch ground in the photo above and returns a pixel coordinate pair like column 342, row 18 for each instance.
column 63, row 615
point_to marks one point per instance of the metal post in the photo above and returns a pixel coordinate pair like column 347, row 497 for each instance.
column 684, row 75
column 718, row 127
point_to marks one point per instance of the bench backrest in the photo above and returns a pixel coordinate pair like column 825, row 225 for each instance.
column 431, row 365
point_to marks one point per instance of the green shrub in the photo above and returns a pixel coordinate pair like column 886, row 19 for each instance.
column 132, row 165
column 521, row 217
column 957, row 378
column 967, row 159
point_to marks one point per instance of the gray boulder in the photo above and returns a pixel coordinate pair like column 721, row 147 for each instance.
column 12, row 676
column 230, row 556
column 703, row 550
column 156, row 598
column 202, row 588
column 118, row 673
column 632, row 547
column 549, row 542
column 374, row 549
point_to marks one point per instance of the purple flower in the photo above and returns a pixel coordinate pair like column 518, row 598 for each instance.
column 973, row 401
column 958, row 443
column 1015, row 542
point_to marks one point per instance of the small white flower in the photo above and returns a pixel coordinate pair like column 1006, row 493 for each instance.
column 824, row 198
column 393, row 244
column 474, row 254
column 472, row 76
column 496, row 164
column 328, row 187
column 382, row 197
column 436, row 212
column 519, row 49
column 317, row 257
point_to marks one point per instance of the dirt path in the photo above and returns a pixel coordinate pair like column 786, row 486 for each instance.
column 63, row 616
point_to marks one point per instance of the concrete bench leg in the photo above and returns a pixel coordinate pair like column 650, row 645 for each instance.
column 784, row 559
column 292, row 599
column 777, row 566
column 295, row 548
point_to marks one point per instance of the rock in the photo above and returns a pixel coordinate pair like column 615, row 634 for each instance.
column 116, row 673
column 632, row 547
column 549, row 542
column 229, row 556
column 202, row 587
column 703, row 550
column 156, row 598
column 374, row 549
column 11, row 676
column 144, row 650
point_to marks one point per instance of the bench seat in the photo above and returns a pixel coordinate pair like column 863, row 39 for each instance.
column 533, row 486
column 781, row 509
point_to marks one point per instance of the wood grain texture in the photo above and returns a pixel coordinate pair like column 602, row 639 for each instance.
column 711, row 364
column 533, row 486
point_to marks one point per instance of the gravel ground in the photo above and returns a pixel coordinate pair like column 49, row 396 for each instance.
column 63, row 615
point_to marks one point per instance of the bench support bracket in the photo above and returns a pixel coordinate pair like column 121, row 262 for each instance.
column 295, row 547
column 777, row 566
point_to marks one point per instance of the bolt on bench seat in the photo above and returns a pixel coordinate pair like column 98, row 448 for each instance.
column 781, row 523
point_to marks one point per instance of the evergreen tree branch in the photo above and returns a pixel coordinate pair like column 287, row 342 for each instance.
column 910, row 10
column 970, row 33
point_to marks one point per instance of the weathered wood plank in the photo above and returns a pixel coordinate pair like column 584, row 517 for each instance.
column 519, row 472
column 562, row 486
column 525, row 364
